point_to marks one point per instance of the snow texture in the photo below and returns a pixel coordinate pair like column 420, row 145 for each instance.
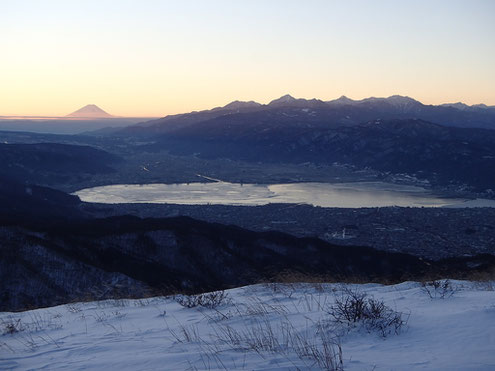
column 454, row 333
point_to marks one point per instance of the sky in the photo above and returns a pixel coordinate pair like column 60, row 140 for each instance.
column 153, row 58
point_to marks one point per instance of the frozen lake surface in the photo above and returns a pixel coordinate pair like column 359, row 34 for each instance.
column 346, row 195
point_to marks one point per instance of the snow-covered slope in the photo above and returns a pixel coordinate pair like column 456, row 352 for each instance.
column 90, row 111
column 262, row 327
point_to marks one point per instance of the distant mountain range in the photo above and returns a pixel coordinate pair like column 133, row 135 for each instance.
column 404, row 103
column 343, row 111
column 444, row 144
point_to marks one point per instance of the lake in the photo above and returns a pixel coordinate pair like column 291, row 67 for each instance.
column 345, row 195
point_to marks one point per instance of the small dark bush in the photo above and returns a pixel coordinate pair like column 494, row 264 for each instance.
column 355, row 308
column 11, row 327
column 438, row 289
column 188, row 301
column 209, row 300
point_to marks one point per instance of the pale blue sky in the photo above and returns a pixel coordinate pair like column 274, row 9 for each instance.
column 160, row 57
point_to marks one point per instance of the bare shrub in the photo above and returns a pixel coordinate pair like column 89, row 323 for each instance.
column 100, row 317
column 355, row 308
column 484, row 285
column 188, row 301
column 12, row 326
column 214, row 299
column 40, row 321
column 209, row 300
column 260, row 332
column 73, row 308
column 111, row 303
column 118, row 314
column 261, row 335
column 439, row 289
column 323, row 349
column 186, row 334
column 142, row 302
column 312, row 302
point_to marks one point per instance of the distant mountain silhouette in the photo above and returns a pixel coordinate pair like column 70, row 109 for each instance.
column 90, row 111
column 237, row 105
column 398, row 134
column 464, row 107
column 289, row 101
column 289, row 111
column 343, row 100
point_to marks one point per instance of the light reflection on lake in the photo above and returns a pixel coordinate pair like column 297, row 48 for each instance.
column 347, row 195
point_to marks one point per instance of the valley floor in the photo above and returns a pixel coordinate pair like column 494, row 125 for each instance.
column 449, row 232
column 260, row 327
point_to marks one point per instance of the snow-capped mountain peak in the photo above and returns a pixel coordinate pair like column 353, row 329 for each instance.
column 237, row 104
column 282, row 100
column 90, row 111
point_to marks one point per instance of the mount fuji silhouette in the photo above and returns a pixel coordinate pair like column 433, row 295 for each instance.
column 90, row 111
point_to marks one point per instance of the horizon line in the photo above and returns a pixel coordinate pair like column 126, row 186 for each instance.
column 14, row 116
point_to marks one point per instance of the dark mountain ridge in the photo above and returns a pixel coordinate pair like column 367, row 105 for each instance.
column 22, row 203
column 53, row 163
column 342, row 111
column 51, row 263
column 444, row 145
column 442, row 155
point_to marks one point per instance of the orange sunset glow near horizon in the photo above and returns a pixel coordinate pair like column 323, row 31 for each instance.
column 153, row 58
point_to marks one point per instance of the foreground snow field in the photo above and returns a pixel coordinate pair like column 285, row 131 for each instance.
column 261, row 327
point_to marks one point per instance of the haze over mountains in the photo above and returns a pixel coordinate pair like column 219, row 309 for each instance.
column 87, row 118
column 447, row 145
column 338, row 112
